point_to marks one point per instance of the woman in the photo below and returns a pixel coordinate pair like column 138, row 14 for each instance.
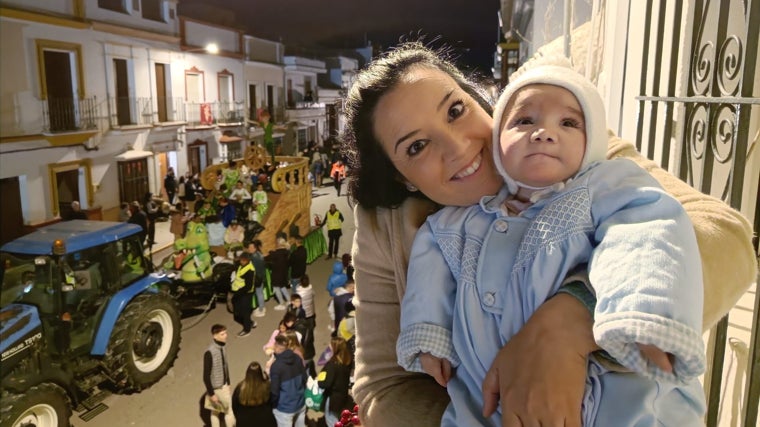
column 448, row 162
column 250, row 400
column 334, row 379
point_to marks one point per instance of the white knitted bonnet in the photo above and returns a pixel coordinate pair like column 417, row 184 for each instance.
column 555, row 71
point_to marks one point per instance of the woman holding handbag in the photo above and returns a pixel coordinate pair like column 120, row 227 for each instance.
column 335, row 379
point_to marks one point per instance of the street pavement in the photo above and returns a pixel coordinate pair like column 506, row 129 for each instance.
column 176, row 399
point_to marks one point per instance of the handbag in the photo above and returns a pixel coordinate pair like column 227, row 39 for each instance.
column 313, row 394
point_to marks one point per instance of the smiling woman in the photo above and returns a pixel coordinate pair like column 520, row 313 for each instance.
column 541, row 360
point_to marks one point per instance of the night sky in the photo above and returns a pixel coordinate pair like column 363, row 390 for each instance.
column 470, row 27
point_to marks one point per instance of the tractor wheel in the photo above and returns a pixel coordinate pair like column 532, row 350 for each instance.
column 44, row 405
column 144, row 342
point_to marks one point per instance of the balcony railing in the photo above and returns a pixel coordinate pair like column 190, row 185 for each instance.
column 214, row 113
column 142, row 111
column 69, row 114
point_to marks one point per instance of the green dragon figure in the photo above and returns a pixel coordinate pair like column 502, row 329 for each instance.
column 191, row 254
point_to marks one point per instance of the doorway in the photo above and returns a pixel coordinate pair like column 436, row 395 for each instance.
column 67, row 184
column 60, row 90
column 197, row 156
column 12, row 219
column 161, row 101
column 123, row 113
column 252, row 115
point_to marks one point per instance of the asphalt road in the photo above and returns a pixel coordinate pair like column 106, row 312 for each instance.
column 176, row 399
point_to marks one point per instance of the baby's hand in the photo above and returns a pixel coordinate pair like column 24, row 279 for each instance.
column 438, row 368
column 654, row 355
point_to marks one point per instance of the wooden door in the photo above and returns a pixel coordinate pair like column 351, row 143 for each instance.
column 163, row 115
column 123, row 113
column 60, row 91
column 11, row 218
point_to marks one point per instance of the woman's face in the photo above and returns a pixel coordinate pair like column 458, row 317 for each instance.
column 438, row 138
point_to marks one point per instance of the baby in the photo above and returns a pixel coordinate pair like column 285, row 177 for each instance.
column 481, row 271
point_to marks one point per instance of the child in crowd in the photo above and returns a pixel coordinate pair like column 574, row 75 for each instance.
column 306, row 292
column 337, row 279
column 215, row 230
column 562, row 206
column 269, row 346
column 233, row 239
column 295, row 307
column 260, row 200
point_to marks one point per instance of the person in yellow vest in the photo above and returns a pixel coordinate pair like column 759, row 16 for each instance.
column 242, row 294
column 334, row 221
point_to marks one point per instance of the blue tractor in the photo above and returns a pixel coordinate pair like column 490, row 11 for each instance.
column 82, row 314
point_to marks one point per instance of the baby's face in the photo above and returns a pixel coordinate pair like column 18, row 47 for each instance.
column 543, row 135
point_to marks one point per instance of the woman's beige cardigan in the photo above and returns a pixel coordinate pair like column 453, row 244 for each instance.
column 389, row 396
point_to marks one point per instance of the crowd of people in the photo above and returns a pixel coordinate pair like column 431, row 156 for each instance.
column 273, row 390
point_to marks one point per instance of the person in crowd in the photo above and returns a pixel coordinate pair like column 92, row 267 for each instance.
column 348, row 267
column 152, row 213
column 178, row 218
column 316, row 168
column 334, row 220
column 124, row 212
column 252, row 399
column 305, row 333
column 297, row 262
column 181, row 189
column 277, row 260
column 170, row 185
column 259, row 264
column 233, row 238
column 347, row 326
column 230, row 177
column 342, row 296
column 549, row 144
column 138, row 216
column 295, row 307
column 288, row 378
column 216, row 377
column 541, row 361
column 76, row 212
column 338, row 174
column 269, row 346
column 335, row 379
column 240, row 196
column 226, row 212
column 206, row 210
column 306, row 292
column 260, row 200
column 242, row 294
column 337, row 279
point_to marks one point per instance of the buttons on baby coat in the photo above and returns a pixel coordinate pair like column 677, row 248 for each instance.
column 489, row 298
column 501, row 226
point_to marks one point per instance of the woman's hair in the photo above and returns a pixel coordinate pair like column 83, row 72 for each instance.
column 254, row 389
column 341, row 353
column 375, row 181
column 305, row 282
column 293, row 343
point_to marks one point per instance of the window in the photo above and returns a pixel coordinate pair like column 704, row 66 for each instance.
column 153, row 10
column 115, row 5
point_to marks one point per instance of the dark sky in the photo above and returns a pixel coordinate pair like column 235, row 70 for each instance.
column 469, row 26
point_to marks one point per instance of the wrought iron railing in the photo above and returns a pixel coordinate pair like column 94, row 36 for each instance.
column 703, row 117
column 69, row 114
column 137, row 111
column 214, row 113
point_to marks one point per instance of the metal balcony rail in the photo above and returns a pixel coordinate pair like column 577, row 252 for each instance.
column 706, row 127
column 69, row 114
column 144, row 111
column 215, row 113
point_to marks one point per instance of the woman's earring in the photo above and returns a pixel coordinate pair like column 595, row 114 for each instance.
column 411, row 187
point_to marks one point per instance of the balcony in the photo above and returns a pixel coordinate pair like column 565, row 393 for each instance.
column 139, row 112
column 69, row 114
column 222, row 114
